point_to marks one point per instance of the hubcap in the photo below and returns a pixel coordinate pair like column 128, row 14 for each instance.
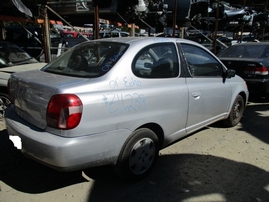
column 237, row 110
column 142, row 156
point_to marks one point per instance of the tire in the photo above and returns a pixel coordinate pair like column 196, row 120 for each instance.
column 138, row 155
column 236, row 112
column 4, row 103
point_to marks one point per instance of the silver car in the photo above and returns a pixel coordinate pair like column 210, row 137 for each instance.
column 118, row 101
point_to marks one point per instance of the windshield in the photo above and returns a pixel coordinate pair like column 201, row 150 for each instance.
column 11, row 54
column 89, row 59
column 246, row 51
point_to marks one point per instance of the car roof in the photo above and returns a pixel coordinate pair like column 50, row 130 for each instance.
column 130, row 40
column 252, row 44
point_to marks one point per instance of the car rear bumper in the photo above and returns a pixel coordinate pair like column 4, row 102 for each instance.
column 66, row 154
column 258, row 86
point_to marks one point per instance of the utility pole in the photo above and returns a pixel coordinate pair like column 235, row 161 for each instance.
column 2, row 28
column 265, row 9
column 216, row 30
column 242, row 27
column 174, row 17
column 47, row 42
column 96, row 20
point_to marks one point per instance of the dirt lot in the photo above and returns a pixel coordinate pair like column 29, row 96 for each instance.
column 214, row 164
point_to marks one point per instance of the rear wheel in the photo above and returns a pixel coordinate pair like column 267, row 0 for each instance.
column 4, row 103
column 236, row 112
column 138, row 155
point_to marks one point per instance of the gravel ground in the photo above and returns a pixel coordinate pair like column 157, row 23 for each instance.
column 214, row 164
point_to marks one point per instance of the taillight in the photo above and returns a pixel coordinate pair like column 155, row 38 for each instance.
column 256, row 70
column 64, row 111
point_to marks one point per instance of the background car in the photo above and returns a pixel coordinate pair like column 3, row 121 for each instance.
column 13, row 59
column 113, row 33
column 250, row 61
column 96, row 104
column 245, row 39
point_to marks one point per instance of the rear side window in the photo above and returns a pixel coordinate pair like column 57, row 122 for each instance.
column 200, row 62
column 89, row 59
column 157, row 61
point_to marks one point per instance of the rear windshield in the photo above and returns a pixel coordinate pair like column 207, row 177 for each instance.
column 13, row 54
column 246, row 51
column 89, row 59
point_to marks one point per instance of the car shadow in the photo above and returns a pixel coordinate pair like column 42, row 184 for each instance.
column 255, row 119
column 185, row 177
column 27, row 175
column 176, row 177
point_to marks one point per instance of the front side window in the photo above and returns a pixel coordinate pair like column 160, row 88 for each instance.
column 200, row 62
column 157, row 61
column 89, row 59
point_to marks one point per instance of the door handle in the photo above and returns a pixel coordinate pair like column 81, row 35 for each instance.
column 196, row 95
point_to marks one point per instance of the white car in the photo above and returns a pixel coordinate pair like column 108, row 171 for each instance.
column 113, row 33
column 96, row 104
column 13, row 59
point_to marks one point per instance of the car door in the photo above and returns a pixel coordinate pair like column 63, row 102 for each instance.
column 209, row 94
column 159, row 68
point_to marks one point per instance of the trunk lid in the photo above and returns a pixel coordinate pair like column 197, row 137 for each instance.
column 21, row 68
column 31, row 92
column 247, row 68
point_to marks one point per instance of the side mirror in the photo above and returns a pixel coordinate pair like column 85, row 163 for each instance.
column 230, row 73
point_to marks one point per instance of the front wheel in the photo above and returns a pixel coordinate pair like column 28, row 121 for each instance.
column 236, row 112
column 138, row 155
